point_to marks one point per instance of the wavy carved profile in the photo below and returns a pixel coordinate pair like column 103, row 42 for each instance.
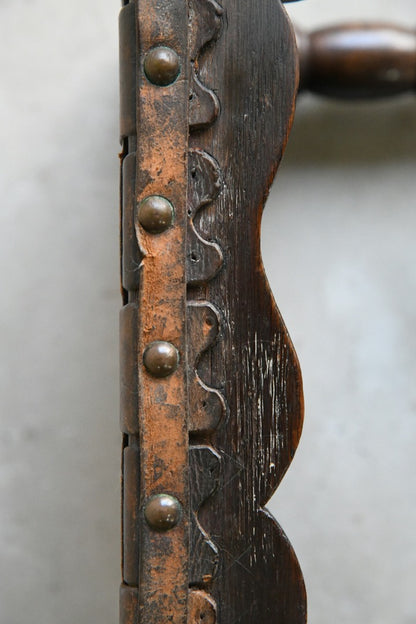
column 204, row 466
column 243, row 383
column 206, row 405
column 206, row 19
column 203, row 258
column 254, row 69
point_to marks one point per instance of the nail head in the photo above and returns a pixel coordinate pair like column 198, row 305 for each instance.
column 162, row 512
column 161, row 359
column 155, row 214
column 162, row 66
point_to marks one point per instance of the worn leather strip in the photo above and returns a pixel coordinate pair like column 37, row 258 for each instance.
column 128, row 370
column 131, row 488
column 162, row 147
column 129, row 605
column 127, row 34
column 131, row 257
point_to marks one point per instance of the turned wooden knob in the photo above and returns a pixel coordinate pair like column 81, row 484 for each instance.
column 358, row 60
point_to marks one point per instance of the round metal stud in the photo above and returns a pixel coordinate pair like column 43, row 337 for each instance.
column 162, row 66
column 155, row 214
column 162, row 512
column 161, row 359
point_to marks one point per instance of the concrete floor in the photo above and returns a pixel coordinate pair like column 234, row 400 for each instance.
column 338, row 244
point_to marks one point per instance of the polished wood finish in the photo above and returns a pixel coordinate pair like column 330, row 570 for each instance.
column 358, row 60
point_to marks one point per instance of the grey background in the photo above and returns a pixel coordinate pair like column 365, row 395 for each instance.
column 338, row 243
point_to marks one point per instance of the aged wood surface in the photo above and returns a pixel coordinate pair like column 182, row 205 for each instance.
column 155, row 562
column 252, row 69
column 219, row 431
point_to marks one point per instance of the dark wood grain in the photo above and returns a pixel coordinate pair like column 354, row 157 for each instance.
column 253, row 70
column 206, row 405
column 220, row 432
column 203, row 258
column 203, row 261
column 204, row 466
column 206, row 19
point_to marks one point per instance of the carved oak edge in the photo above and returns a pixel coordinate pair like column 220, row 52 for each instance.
column 211, row 391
